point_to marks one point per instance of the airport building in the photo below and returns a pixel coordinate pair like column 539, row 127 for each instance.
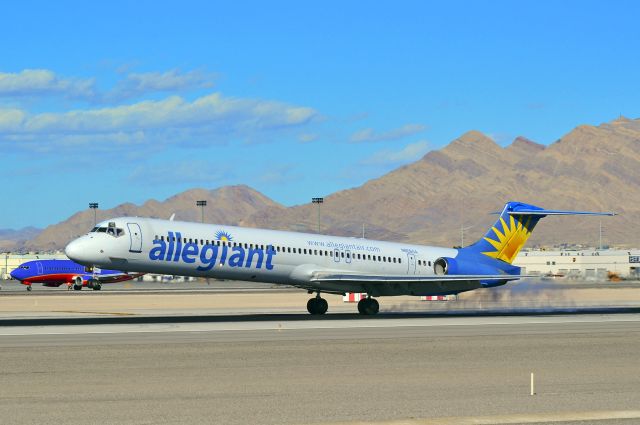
column 584, row 264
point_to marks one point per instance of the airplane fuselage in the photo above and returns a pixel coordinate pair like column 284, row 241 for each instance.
column 237, row 253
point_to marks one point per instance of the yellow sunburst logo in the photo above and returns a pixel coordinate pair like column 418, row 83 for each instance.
column 510, row 240
column 223, row 236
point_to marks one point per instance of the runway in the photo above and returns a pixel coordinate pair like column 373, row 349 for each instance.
column 282, row 371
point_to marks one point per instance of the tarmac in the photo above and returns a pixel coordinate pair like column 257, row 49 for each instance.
column 254, row 356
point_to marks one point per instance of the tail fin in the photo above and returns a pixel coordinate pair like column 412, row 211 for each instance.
column 512, row 230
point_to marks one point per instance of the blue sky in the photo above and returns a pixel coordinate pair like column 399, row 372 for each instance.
column 127, row 101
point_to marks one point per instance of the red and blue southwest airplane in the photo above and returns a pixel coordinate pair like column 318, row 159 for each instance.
column 54, row 273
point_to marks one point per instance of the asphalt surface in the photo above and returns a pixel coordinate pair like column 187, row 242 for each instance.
column 325, row 371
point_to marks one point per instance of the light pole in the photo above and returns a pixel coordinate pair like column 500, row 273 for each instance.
column 318, row 201
column 94, row 207
column 201, row 204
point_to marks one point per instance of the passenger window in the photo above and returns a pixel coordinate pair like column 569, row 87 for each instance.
column 342, row 254
column 429, row 263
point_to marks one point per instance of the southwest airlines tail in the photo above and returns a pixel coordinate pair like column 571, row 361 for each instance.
column 512, row 230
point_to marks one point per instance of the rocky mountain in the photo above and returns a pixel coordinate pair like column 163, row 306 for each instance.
column 11, row 239
column 429, row 201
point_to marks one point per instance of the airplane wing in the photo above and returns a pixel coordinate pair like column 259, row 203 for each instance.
column 407, row 279
column 117, row 277
column 377, row 285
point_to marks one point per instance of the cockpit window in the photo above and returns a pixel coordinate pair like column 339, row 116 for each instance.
column 116, row 232
column 24, row 267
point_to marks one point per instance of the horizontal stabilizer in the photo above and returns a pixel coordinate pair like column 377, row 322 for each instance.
column 556, row 212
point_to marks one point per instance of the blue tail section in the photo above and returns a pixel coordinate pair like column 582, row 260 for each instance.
column 495, row 252
column 504, row 240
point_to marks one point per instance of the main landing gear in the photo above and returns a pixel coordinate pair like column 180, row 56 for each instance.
column 317, row 305
column 29, row 288
column 368, row 306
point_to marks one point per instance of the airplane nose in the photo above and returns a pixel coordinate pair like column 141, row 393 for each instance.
column 15, row 274
column 75, row 250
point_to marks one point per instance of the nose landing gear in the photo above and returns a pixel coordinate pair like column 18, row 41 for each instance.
column 368, row 306
column 317, row 305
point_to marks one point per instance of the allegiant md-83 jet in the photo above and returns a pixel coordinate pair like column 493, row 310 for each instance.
column 316, row 263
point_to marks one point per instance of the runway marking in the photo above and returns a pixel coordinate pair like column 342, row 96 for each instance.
column 167, row 327
column 527, row 418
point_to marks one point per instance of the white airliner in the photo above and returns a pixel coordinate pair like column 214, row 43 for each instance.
column 316, row 263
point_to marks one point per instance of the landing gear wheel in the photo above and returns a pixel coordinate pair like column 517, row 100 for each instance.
column 77, row 287
column 29, row 288
column 368, row 306
column 97, row 286
column 317, row 305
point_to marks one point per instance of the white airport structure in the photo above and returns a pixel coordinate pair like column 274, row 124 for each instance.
column 584, row 264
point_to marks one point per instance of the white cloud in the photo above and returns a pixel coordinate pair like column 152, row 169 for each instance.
column 44, row 82
column 38, row 82
column 369, row 135
column 214, row 114
column 411, row 152
column 136, row 84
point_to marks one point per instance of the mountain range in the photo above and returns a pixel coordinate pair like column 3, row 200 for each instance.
column 445, row 198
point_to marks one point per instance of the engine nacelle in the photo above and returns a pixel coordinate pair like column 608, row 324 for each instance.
column 77, row 281
column 453, row 266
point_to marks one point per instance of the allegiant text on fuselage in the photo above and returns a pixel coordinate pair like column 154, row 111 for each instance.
column 210, row 254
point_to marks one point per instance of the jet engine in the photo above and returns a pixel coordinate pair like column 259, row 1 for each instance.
column 456, row 266
column 77, row 283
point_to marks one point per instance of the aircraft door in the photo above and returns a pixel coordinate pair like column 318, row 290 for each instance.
column 336, row 255
column 411, row 264
column 39, row 266
column 135, row 236
column 347, row 258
